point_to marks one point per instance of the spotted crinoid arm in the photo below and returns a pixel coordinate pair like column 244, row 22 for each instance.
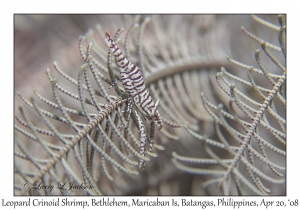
column 143, row 142
column 71, row 145
column 89, row 120
column 252, row 129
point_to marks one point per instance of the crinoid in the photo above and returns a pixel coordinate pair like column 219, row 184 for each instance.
column 85, row 132
column 253, row 130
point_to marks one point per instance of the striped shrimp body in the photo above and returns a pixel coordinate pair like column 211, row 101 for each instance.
column 134, row 85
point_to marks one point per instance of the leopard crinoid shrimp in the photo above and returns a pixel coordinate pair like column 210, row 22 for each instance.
column 134, row 85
